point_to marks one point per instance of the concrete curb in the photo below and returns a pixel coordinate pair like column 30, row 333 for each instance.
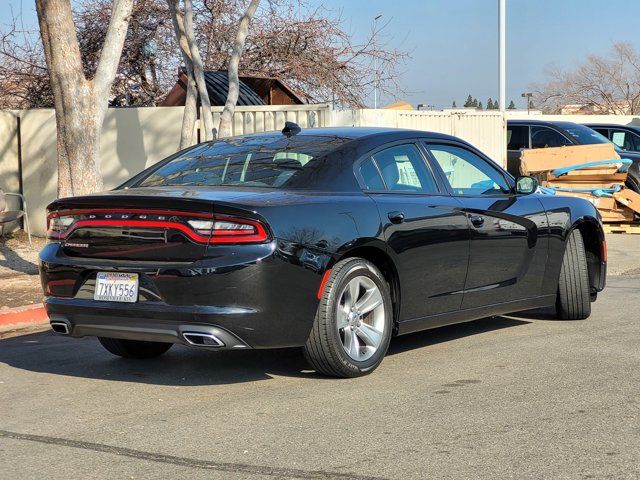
column 28, row 315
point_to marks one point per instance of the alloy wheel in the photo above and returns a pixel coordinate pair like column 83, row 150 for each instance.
column 361, row 318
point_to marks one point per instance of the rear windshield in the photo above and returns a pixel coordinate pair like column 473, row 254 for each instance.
column 267, row 161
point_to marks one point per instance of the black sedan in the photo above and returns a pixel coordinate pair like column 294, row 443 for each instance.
column 523, row 134
column 331, row 239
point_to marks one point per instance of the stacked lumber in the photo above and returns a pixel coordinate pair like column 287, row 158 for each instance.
column 593, row 172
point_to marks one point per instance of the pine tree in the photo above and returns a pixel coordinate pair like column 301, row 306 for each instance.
column 474, row 102
column 479, row 105
column 496, row 105
column 512, row 106
column 490, row 104
column 453, row 105
column 469, row 102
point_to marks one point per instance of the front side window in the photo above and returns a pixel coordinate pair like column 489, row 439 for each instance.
column 404, row 170
column 467, row 173
column 544, row 137
column 625, row 140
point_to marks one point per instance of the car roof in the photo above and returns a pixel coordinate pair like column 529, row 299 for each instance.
column 546, row 123
column 635, row 128
column 354, row 133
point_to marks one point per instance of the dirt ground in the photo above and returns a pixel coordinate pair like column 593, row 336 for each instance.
column 20, row 284
column 19, row 281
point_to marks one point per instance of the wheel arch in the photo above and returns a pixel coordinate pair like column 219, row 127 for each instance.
column 593, row 239
column 383, row 262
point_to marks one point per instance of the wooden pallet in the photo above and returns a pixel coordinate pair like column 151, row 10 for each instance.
column 622, row 228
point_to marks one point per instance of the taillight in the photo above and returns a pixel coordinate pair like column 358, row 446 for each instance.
column 58, row 225
column 199, row 227
column 231, row 230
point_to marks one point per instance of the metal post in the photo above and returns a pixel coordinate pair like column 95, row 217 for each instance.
column 375, row 45
column 502, row 53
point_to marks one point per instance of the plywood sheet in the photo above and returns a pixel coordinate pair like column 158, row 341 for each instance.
column 629, row 198
column 546, row 159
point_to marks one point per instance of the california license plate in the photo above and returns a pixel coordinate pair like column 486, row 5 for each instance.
column 116, row 287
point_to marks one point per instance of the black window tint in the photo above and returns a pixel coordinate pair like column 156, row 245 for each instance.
column 467, row 173
column 517, row 137
column 371, row 176
column 544, row 137
column 602, row 131
column 404, row 170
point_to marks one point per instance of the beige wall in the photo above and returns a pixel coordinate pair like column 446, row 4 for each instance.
column 132, row 139
column 9, row 164
column 9, row 179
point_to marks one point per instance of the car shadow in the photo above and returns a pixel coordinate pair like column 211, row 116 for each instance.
column 45, row 352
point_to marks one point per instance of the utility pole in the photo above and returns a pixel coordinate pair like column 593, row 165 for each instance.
column 375, row 45
column 502, row 26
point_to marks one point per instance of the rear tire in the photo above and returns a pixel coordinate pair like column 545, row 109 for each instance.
column 573, row 301
column 353, row 325
column 134, row 348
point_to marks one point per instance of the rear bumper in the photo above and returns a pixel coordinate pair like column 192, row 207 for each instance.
column 152, row 323
column 261, row 299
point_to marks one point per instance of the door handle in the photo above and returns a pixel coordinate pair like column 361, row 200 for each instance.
column 396, row 217
column 476, row 220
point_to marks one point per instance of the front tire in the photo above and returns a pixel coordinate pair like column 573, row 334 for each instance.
column 573, row 301
column 352, row 329
column 134, row 348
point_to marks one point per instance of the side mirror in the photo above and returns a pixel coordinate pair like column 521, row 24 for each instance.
column 526, row 185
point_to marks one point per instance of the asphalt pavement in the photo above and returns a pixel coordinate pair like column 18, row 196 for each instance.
column 508, row 397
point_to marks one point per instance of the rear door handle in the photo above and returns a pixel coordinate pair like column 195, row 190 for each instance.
column 396, row 217
column 476, row 220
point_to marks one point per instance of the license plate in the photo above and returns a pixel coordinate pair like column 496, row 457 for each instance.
column 116, row 287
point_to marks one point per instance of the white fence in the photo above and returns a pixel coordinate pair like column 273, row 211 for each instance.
column 485, row 130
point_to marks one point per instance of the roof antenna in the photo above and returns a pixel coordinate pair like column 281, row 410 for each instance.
column 290, row 129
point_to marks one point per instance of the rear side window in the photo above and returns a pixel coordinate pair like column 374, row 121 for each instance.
column 517, row 137
column 371, row 176
column 403, row 169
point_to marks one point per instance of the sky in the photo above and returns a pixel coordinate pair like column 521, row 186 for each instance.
column 453, row 44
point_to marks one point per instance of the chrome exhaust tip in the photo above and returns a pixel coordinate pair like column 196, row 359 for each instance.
column 202, row 339
column 60, row 327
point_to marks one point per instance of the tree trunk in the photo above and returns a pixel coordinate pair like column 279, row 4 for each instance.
column 198, row 71
column 226, row 119
column 80, row 103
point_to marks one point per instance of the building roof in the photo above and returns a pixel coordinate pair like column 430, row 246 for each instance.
column 253, row 90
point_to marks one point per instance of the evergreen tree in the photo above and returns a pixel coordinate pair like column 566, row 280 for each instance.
column 474, row 102
column 490, row 104
column 453, row 105
column 469, row 102
column 479, row 105
column 496, row 105
column 512, row 106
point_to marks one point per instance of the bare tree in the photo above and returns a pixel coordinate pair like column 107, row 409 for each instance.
column 308, row 49
column 148, row 62
column 608, row 85
column 80, row 102
column 226, row 118
column 196, row 85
